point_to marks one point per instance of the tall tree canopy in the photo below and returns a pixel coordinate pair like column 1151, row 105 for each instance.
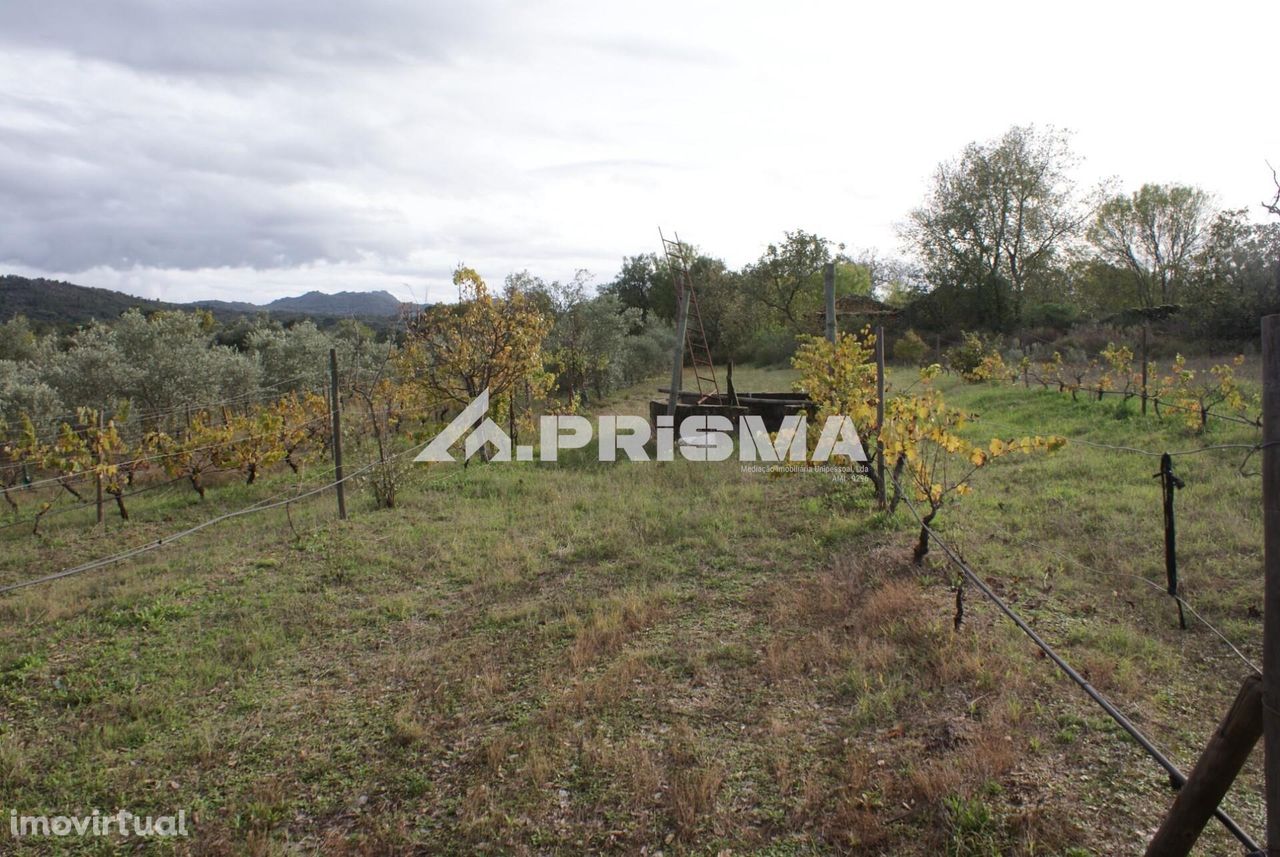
column 453, row 352
column 1154, row 233
column 996, row 216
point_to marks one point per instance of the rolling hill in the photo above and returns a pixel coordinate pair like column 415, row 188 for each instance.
column 57, row 304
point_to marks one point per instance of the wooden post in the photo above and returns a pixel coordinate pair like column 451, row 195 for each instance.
column 335, row 406
column 829, row 284
column 1221, row 761
column 511, row 417
column 1144, row 368
column 677, row 358
column 880, row 414
column 98, row 476
column 1169, row 483
column 1271, row 566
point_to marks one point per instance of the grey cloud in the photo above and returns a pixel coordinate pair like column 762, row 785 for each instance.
column 112, row 169
column 244, row 37
column 70, row 214
column 187, row 135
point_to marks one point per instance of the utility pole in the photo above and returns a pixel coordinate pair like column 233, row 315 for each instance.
column 1271, row 565
column 335, row 405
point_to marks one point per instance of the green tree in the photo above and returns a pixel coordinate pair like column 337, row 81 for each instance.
column 292, row 358
column 642, row 284
column 175, row 361
column 17, row 340
column 787, row 280
column 24, row 392
column 1095, row 287
column 1153, row 233
column 996, row 218
column 1235, row 279
column 93, row 371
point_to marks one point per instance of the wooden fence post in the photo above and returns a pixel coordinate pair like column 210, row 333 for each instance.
column 880, row 488
column 1271, row 566
column 1169, row 484
column 829, row 285
column 1144, row 368
column 335, row 405
column 1221, row 761
column 98, row 476
column 677, row 358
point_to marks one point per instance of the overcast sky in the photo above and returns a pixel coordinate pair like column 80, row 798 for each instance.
column 250, row 149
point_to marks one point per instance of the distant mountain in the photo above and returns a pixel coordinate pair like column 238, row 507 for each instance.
column 237, row 307
column 52, row 303
column 56, row 304
column 380, row 303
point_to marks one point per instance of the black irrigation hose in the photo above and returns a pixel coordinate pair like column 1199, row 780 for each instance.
column 1175, row 774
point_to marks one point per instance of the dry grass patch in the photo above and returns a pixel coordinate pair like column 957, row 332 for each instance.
column 692, row 782
column 611, row 621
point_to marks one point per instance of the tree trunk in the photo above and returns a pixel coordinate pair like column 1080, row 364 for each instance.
column 922, row 546
column 897, row 492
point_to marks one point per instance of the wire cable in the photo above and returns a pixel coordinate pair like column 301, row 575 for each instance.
column 76, row 477
column 1149, row 582
column 1252, row 447
column 1175, row 774
column 261, row 506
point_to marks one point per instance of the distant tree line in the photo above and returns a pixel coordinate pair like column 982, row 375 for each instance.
column 1005, row 242
column 1008, row 241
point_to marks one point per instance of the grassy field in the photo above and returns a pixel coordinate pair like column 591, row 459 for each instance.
column 676, row 658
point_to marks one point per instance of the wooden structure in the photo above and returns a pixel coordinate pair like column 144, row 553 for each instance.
column 691, row 335
column 691, row 338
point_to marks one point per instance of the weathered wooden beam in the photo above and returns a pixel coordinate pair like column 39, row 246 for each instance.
column 829, row 285
column 1271, row 570
column 1221, row 761
column 677, row 356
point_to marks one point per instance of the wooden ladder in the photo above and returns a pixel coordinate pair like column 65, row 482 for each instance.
column 704, row 369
